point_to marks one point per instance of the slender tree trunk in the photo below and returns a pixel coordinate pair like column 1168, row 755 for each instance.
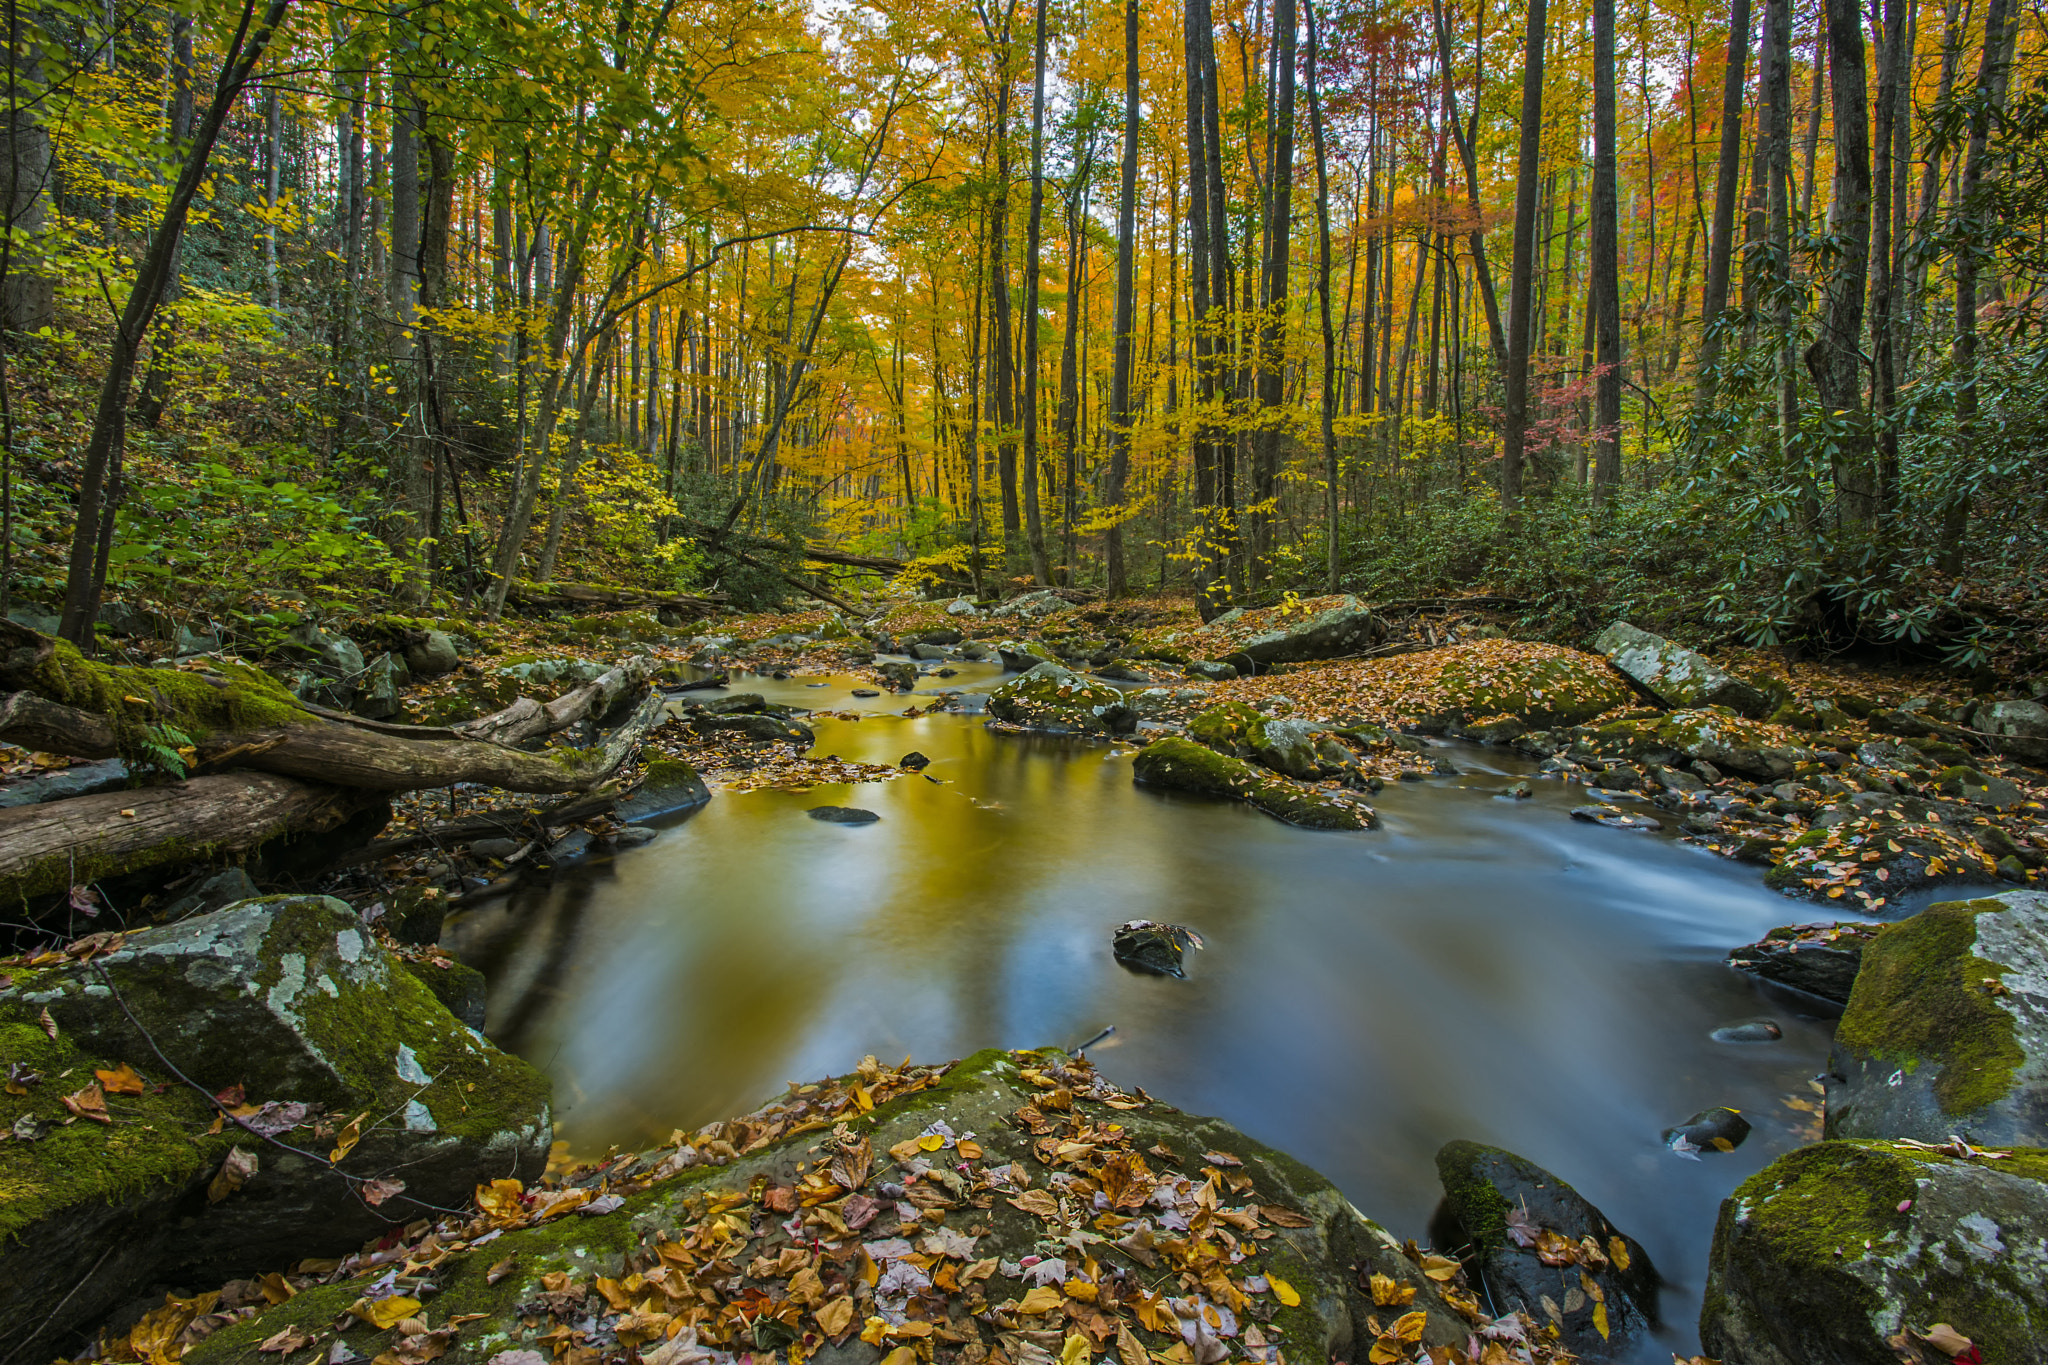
column 1836, row 356
column 1605, row 275
column 1121, row 413
column 1776, row 146
column 273, row 187
column 1886, row 187
column 1468, row 155
column 1271, row 357
column 1521, row 274
column 1033, row 474
column 1727, row 180
column 1333, row 558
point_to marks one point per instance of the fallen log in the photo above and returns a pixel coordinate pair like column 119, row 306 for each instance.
column 48, row 848
column 525, row 822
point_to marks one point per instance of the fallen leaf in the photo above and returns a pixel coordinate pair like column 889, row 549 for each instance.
column 1408, row 1327
column 1043, row 1299
column 1388, row 1292
column 1439, row 1268
column 350, row 1136
column 1283, row 1218
column 1284, row 1292
column 1947, row 1339
column 835, row 1319
column 500, row 1270
column 275, row 1288
column 49, row 1026
column 1600, row 1319
column 1038, row 1203
column 385, row 1313
column 154, row 1339
column 88, row 1103
column 1128, row 1348
column 121, row 1081
column 375, row 1192
column 291, row 1338
column 235, row 1170
column 1073, row 1352
column 1617, row 1252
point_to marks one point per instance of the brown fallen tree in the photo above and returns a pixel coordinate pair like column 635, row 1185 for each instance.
column 261, row 761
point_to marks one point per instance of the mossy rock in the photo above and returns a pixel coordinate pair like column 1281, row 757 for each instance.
column 1678, row 676
column 1288, row 747
column 1946, row 1031
column 1060, row 701
column 1827, row 1253
column 291, row 999
column 1542, row 685
column 639, row 627
column 1327, row 1262
column 1182, row 765
column 1818, row 959
column 1021, row 656
column 1712, row 734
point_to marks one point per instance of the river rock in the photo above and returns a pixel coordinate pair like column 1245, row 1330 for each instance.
column 1614, row 817
column 1719, row 1129
column 1210, row 670
column 290, row 999
column 669, row 787
column 1819, row 959
column 1968, row 784
column 1345, row 628
column 217, row 892
column 914, row 762
column 924, row 653
column 1148, row 946
column 1749, row 1031
column 80, row 779
column 1182, row 765
column 1287, row 747
column 1056, row 699
column 761, row 729
column 1528, row 1234
column 738, row 704
column 1675, row 675
column 433, row 655
column 2018, row 729
column 842, row 815
column 900, row 675
column 1713, row 735
column 1322, row 1248
column 1946, row 1031
column 1020, row 656
column 456, row 985
column 1833, row 1251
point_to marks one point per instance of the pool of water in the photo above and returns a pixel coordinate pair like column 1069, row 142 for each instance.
column 1479, row 967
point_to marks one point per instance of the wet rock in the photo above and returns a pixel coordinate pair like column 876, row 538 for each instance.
column 1183, row 765
column 217, row 892
column 83, row 779
column 2018, row 729
column 292, row 999
column 761, row 729
column 1210, row 670
column 669, row 787
column 1118, row 671
column 432, row 656
column 1675, row 675
column 414, row 915
column 1613, row 817
column 945, row 635
column 974, row 651
column 1715, row 737
column 1325, row 1249
column 914, row 761
column 1148, row 946
column 1020, row 656
column 930, row 653
column 1287, row 747
column 1819, row 959
column 865, row 692
column 1719, row 1129
column 1749, row 1031
column 1968, row 784
column 1057, row 700
column 1828, row 1254
column 738, row 704
column 633, row 836
column 899, row 675
column 576, row 844
column 1946, row 1031
column 842, row 815
column 1528, row 1234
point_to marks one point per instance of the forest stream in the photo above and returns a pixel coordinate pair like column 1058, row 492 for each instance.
column 1478, row 967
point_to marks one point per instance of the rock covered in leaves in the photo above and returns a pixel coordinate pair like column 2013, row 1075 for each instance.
column 1946, row 1031
column 1012, row 1207
column 1183, row 765
column 1542, row 1249
column 1149, row 946
column 290, row 1015
column 1344, row 626
column 1058, row 700
column 1819, row 959
column 1675, row 675
column 1844, row 1253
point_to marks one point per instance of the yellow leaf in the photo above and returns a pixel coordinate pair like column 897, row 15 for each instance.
column 930, row 1142
column 275, row 1288
column 1153, row 1314
column 835, row 1316
column 970, row 1151
column 1617, row 1252
column 1128, row 1348
column 1600, row 1319
column 1439, row 1268
column 1083, row 1290
column 1387, row 1350
column 865, row 1101
column 873, row 1330
column 1043, row 1299
column 385, row 1313
column 121, row 1081
column 1408, row 1327
column 154, row 1340
column 353, row 1134
column 1284, row 1292
column 1390, row 1293
column 1074, row 1352
column 235, row 1170
column 902, row 1355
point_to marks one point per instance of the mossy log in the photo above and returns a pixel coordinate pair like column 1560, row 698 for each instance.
column 45, row 849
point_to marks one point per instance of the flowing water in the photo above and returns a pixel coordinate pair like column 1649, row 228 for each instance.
column 1477, row 968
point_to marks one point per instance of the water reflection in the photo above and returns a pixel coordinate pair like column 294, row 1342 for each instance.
column 1477, row 968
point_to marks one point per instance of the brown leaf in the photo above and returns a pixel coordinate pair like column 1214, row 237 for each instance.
column 50, row 1027
column 233, row 1174
column 122, row 1080
column 500, row 1270
column 88, row 1103
column 1283, row 1218
column 288, row 1339
column 375, row 1192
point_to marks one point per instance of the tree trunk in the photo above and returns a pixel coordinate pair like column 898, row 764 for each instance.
column 27, row 294
column 1836, row 357
column 1775, row 151
column 1521, row 275
column 1271, row 357
column 1121, row 415
column 1727, row 180
column 1032, row 474
column 1605, row 274
column 1329, row 395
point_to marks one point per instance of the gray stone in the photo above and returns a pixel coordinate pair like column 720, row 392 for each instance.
column 35, row 619
column 189, row 641
column 1211, row 670
column 82, row 779
column 1154, row 949
column 1118, row 671
column 1749, row 1031
column 975, row 651
column 1830, row 1253
column 1335, row 631
column 217, row 892
column 291, row 998
column 930, row 653
column 669, row 788
column 434, row 655
column 738, row 704
column 842, row 815
column 1056, row 699
column 495, row 848
column 945, row 635
column 2018, row 729
column 377, row 690
column 1020, row 656
column 761, row 729
column 122, row 618
column 1032, row 605
column 337, row 653
column 961, row 606
column 1499, row 1204
column 898, row 674
column 1675, row 675
column 456, row 985
column 1817, row 959
column 1719, row 1129
column 1946, row 1031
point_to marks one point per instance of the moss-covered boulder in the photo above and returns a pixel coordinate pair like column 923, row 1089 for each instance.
column 1183, row 765
column 1714, row 735
column 668, row 787
column 1676, row 675
column 1013, row 1201
column 1543, row 1249
column 1021, row 656
column 1946, row 1031
column 1834, row 1253
column 1544, row 685
column 1818, row 959
column 1060, row 701
column 639, row 627
column 112, row 1182
column 1344, row 627
column 1287, row 747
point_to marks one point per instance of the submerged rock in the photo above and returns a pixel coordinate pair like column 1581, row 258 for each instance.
column 940, row 1141
column 1946, row 1031
column 899, row 674
column 668, row 787
column 914, row 762
column 1819, row 959
column 1832, row 1252
column 1719, row 1129
column 1538, row 1243
column 288, row 999
column 1149, row 946
column 1183, row 765
column 1056, row 699
column 1675, row 675
column 1615, row 818
column 761, row 729
column 842, row 815
column 1749, row 1031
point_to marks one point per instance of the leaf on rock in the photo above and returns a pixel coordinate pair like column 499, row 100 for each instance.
column 1043, row 1299
column 1283, row 1218
column 375, row 1192
column 385, row 1313
column 235, row 1171
column 1388, row 1292
column 122, row 1080
column 88, row 1103
column 1038, row 1203
column 50, row 1027
column 291, row 1338
column 353, row 1134
column 1287, row 1294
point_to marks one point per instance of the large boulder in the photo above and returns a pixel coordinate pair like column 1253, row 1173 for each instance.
column 1344, row 628
column 432, row 655
column 1835, row 1253
column 288, row 1009
column 1946, row 1031
column 1012, row 1201
column 1675, row 675
column 1713, row 735
column 2018, row 729
column 1183, row 765
column 1540, row 1247
column 1288, row 747
column 668, row 787
column 337, row 654
column 1468, row 685
column 1056, row 699
column 1819, row 959
column 1019, row 656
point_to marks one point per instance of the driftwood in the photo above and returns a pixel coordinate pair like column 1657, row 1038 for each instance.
column 47, row 848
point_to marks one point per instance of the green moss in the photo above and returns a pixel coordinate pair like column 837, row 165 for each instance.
column 665, row 772
column 1818, row 1200
column 231, row 696
column 1183, row 765
column 1481, row 1210
column 1548, row 689
column 1919, row 997
column 1232, row 728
